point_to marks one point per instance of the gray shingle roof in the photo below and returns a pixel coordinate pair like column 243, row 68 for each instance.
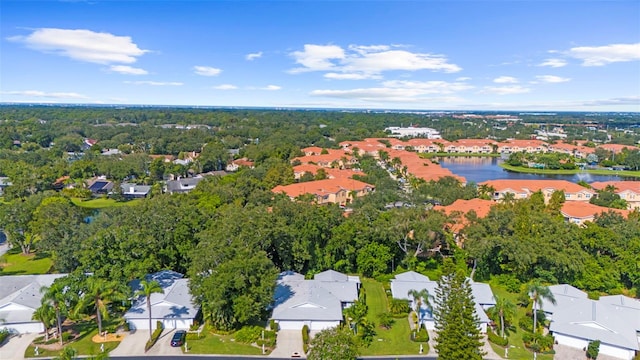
column 175, row 303
column 400, row 289
column 593, row 320
column 183, row 185
column 299, row 299
column 24, row 291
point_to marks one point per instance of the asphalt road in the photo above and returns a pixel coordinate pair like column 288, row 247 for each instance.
column 239, row 357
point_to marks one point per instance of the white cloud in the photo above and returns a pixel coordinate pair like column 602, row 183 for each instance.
column 556, row 63
column 317, row 57
column 206, row 70
column 552, row 79
column 603, row 55
column 366, row 62
column 155, row 83
column 351, row 76
column 43, row 94
column 463, row 78
column 506, row 90
column 225, row 87
column 83, row 45
column 254, row 56
column 128, row 70
column 505, row 80
column 400, row 91
column 271, row 88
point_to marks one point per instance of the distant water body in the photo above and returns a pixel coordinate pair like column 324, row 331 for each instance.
column 479, row 169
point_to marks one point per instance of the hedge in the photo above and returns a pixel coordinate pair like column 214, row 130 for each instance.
column 497, row 339
column 4, row 334
column 154, row 336
column 305, row 338
column 421, row 336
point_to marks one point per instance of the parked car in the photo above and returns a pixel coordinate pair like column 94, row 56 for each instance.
column 178, row 338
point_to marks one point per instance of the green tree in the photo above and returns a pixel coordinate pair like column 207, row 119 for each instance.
column 457, row 324
column 147, row 288
column 504, row 310
column 54, row 296
column 356, row 314
column 97, row 294
column 420, row 297
column 47, row 316
column 333, row 344
column 67, row 353
column 538, row 293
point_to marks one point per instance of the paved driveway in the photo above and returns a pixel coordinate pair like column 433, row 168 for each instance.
column 163, row 346
column 133, row 344
column 288, row 342
column 15, row 347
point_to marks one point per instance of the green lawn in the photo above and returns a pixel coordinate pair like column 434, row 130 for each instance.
column 220, row 344
column 15, row 263
column 395, row 341
column 102, row 203
column 520, row 169
column 515, row 338
column 84, row 344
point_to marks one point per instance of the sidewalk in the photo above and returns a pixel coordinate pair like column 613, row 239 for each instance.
column 15, row 347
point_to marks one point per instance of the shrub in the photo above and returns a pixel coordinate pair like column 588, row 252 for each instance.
column 537, row 342
column 510, row 282
column 4, row 334
column 497, row 339
column 248, row 334
column 399, row 307
column 154, row 336
column 593, row 349
column 305, row 338
column 273, row 325
column 421, row 336
column 526, row 324
column 269, row 339
column 66, row 336
column 386, row 320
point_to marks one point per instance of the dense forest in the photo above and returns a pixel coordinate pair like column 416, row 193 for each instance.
column 234, row 224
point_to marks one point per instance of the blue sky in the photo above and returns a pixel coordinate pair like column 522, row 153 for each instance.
column 451, row 55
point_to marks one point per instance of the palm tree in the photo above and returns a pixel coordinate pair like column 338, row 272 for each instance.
column 149, row 287
column 504, row 309
column 420, row 296
column 54, row 296
column 538, row 293
column 45, row 314
column 98, row 294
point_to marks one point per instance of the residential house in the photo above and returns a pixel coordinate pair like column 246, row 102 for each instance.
column 134, row 191
column 577, row 212
column 576, row 320
column 405, row 282
column 20, row 296
column 627, row 190
column 235, row 165
column 175, row 307
column 100, row 186
column 522, row 189
column 182, row 185
column 457, row 213
column 340, row 191
column 4, row 183
column 317, row 303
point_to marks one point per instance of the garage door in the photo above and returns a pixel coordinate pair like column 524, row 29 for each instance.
column 24, row 328
column 321, row 325
column 290, row 325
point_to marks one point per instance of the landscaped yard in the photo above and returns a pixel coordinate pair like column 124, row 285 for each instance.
column 518, row 351
column 220, row 344
column 394, row 341
column 101, row 203
column 84, row 344
column 15, row 263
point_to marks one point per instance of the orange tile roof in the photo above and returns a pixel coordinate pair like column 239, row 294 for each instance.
column 312, row 149
column 479, row 206
column 582, row 210
column 619, row 185
column 535, row 185
column 616, row 148
column 322, row 187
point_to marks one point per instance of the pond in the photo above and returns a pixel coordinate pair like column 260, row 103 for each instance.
column 479, row 169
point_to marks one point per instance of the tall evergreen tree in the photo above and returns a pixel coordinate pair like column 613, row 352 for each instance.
column 457, row 324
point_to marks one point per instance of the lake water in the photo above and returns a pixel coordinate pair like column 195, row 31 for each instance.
column 479, row 169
